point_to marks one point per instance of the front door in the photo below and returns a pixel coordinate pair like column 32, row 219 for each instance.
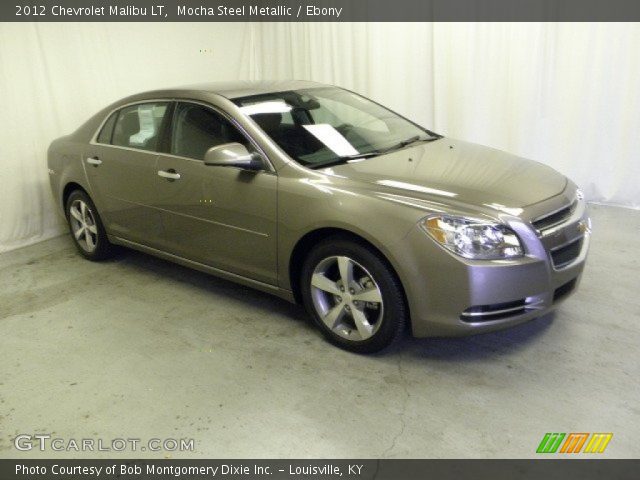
column 219, row 216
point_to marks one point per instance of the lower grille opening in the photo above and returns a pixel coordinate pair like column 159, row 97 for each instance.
column 564, row 290
column 566, row 254
column 496, row 311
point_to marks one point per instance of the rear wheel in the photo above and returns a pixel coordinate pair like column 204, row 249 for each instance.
column 86, row 227
column 354, row 296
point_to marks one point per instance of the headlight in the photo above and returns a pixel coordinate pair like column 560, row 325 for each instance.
column 473, row 238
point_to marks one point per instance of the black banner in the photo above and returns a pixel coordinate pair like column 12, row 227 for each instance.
column 544, row 469
column 319, row 10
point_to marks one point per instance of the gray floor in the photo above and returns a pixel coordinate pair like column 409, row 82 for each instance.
column 141, row 348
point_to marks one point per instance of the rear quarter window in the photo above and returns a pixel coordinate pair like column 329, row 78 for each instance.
column 139, row 126
column 107, row 129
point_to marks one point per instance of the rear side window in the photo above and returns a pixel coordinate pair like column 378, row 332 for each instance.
column 107, row 129
column 197, row 128
column 139, row 126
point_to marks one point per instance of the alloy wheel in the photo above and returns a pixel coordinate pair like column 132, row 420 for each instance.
column 347, row 298
column 83, row 225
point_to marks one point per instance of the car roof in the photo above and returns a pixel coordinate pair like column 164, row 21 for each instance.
column 229, row 90
column 247, row 88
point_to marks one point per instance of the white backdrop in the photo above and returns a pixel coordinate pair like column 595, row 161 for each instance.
column 565, row 94
column 54, row 76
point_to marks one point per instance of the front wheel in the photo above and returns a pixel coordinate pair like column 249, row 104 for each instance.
column 354, row 296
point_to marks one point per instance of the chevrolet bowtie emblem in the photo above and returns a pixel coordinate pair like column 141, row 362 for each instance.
column 583, row 227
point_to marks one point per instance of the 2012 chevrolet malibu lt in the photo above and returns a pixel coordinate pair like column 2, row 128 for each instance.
column 323, row 197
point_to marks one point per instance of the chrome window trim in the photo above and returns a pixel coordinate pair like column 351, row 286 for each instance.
column 131, row 149
column 234, row 122
column 94, row 139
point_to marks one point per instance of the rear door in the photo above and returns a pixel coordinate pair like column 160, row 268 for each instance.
column 121, row 166
column 219, row 216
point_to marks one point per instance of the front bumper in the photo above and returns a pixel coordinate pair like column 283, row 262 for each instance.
column 451, row 296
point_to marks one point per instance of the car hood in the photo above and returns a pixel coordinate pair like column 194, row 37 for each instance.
column 462, row 171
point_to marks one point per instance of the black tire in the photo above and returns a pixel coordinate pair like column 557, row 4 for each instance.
column 394, row 315
column 102, row 248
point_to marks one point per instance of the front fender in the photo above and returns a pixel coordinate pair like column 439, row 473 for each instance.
column 306, row 206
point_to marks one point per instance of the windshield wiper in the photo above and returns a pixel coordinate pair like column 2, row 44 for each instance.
column 374, row 153
column 345, row 159
column 355, row 156
column 407, row 142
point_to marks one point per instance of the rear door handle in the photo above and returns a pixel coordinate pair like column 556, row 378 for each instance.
column 170, row 174
column 95, row 161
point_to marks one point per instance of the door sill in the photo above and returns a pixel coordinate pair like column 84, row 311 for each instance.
column 233, row 277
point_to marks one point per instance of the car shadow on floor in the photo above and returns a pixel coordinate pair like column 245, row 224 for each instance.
column 479, row 346
column 193, row 278
column 459, row 348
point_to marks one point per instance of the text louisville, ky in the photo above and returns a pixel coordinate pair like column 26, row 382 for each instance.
column 223, row 470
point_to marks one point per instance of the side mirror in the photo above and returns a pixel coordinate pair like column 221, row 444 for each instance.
column 233, row 155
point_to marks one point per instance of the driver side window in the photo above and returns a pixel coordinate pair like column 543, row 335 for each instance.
column 197, row 128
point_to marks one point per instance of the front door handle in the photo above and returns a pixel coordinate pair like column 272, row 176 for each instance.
column 95, row 161
column 170, row 174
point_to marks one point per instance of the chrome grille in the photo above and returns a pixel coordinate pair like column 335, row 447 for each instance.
column 562, row 231
column 554, row 218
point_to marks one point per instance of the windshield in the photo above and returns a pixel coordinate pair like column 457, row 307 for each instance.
column 328, row 125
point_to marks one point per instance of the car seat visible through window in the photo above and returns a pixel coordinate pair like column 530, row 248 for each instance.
column 198, row 128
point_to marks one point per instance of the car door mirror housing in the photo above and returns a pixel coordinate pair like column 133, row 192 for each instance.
column 233, row 155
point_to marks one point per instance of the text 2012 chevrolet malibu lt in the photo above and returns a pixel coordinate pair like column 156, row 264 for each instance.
column 323, row 197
